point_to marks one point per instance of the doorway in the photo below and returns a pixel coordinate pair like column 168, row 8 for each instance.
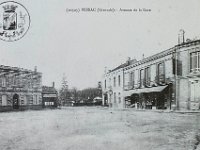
column 195, row 95
column 15, row 101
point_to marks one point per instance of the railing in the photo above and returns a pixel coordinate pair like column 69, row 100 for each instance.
column 129, row 86
column 195, row 70
column 160, row 79
column 143, row 84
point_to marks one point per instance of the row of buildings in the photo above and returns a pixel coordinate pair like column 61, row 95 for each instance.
column 22, row 89
column 167, row 80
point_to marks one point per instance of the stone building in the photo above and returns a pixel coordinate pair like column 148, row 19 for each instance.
column 20, row 88
column 167, row 80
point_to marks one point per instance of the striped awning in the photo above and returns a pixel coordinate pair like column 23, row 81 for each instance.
column 145, row 90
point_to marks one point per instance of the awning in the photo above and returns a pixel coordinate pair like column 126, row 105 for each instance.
column 145, row 90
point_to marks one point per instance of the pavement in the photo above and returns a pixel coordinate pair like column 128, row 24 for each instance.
column 98, row 128
column 163, row 110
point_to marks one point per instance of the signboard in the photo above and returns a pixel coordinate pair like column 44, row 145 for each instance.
column 49, row 95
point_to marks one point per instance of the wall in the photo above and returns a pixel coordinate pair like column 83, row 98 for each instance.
column 186, row 80
column 28, row 86
column 111, row 89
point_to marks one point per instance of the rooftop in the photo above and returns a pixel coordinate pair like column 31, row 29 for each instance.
column 134, row 62
column 9, row 69
column 48, row 89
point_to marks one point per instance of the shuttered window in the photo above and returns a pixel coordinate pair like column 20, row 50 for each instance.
column 195, row 62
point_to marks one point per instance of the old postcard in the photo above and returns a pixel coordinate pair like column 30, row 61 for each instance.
column 99, row 75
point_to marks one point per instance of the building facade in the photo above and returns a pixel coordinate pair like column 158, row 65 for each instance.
column 49, row 96
column 20, row 88
column 167, row 80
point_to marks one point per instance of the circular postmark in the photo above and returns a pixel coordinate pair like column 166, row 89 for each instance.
column 14, row 21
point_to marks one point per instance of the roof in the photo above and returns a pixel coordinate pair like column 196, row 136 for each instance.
column 129, row 62
column 134, row 62
column 165, row 52
column 48, row 89
column 145, row 90
column 120, row 66
column 9, row 69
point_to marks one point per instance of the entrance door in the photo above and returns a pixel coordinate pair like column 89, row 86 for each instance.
column 105, row 100
column 195, row 95
column 16, row 101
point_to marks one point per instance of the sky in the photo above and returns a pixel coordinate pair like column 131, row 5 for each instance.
column 80, row 45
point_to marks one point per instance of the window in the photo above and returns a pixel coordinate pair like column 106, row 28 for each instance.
column 114, row 97
column 105, row 83
column 22, row 102
column 142, row 76
column 148, row 76
column 114, row 81
column 3, row 82
column 131, row 79
column 161, row 75
column 4, row 100
column 14, row 80
column 30, row 99
column 119, row 80
column 35, row 99
column 22, row 99
column 195, row 62
column 48, row 103
column 119, row 98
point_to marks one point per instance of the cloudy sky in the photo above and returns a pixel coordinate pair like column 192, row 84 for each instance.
column 82, row 44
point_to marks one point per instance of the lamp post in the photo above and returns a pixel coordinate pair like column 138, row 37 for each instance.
column 170, row 95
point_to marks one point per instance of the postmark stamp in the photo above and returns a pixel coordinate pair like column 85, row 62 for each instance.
column 14, row 21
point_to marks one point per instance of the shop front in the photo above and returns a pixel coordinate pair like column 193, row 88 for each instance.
column 149, row 98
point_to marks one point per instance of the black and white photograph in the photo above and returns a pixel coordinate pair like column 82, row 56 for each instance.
column 99, row 75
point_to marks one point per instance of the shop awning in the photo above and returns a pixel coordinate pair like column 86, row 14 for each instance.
column 145, row 90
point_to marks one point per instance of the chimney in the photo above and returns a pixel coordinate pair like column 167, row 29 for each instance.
column 181, row 37
column 35, row 69
column 53, row 84
column 105, row 70
column 128, row 60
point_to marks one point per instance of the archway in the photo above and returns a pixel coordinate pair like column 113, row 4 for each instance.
column 15, row 101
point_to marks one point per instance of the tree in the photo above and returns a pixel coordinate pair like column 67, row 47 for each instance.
column 90, row 93
column 64, row 92
column 99, row 85
column 74, row 93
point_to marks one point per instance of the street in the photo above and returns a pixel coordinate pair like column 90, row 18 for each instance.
column 97, row 128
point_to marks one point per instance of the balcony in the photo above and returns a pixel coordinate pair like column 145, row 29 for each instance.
column 160, row 79
column 194, row 73
column 142, row 84
column 130, row 86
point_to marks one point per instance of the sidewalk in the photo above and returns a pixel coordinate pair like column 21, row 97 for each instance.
column 165, row 110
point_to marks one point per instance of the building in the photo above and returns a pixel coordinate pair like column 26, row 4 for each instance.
column 20, row 88
column 49, row 97
column 167, row 80
column 113, row 86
